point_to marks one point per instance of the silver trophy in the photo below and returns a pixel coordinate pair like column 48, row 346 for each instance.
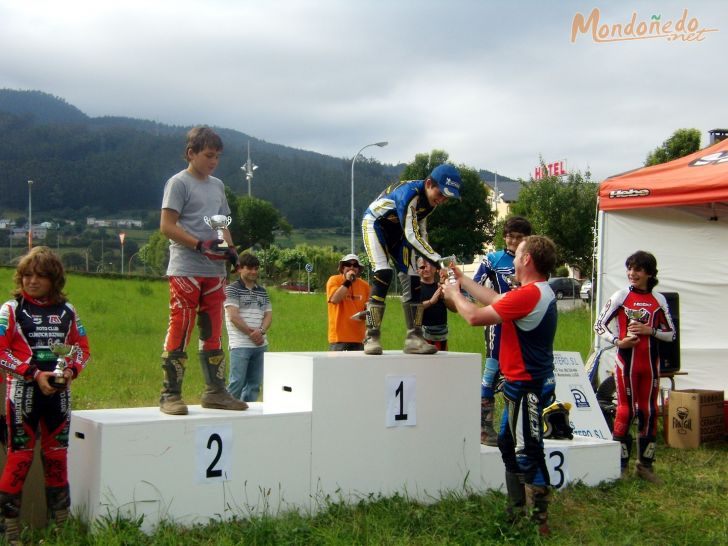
column 510, row 280
column 445, row 263
column 219, row 222
column 635, row 316
column 62, row 352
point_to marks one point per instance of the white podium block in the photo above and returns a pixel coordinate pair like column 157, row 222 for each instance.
column 337, row 426
column 583, row 459
column 394, row 423
column 210, row 464
column 586, row 460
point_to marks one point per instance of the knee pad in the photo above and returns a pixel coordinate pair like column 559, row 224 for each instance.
column 55, row 467
column 204, row 325
column 16, row 469
column 380, row 284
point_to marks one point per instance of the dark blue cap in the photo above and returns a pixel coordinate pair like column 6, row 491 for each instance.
column 447, row 178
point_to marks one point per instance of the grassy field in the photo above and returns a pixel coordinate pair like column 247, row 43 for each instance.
column 126, row 321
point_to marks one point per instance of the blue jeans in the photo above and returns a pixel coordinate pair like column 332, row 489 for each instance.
column 246, row 372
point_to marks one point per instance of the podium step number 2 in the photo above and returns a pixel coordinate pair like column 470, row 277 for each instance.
column 214, row 446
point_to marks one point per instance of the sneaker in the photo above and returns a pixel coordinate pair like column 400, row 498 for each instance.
column 173, row 405
column 646, row 473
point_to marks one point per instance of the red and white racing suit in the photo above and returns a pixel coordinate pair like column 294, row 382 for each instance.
column 26, row 328
column 637, row 372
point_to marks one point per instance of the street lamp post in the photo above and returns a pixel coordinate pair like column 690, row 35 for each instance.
column 248, row 169
column 381, row 145
column 122, row 236
column 30, row 216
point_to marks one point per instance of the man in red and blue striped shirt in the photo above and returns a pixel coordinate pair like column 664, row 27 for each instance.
column 528, row 317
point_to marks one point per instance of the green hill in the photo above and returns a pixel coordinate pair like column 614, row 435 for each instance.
column 101, row 166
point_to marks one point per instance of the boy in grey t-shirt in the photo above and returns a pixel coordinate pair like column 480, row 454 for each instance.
column 196, row 274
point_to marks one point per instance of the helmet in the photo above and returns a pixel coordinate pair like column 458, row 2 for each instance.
column 556, row 421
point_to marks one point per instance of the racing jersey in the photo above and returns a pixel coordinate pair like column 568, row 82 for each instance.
column 27, row 329
column 646, row 307
column 405, row 206
column 528, row 330
column 496, row 267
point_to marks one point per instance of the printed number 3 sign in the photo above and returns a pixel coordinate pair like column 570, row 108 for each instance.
column 213, row 446
column 401, row 400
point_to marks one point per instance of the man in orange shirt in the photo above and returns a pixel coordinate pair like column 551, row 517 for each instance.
column 347, row 295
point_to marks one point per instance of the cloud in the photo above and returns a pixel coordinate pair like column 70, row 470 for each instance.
column 495, row 84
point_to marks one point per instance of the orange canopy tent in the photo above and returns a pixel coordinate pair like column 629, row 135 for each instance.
column 698, row 178
column 679, row 212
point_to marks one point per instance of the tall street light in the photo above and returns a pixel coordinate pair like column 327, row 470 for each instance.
column 248, row 169
column 381, row 145
column 30, row 216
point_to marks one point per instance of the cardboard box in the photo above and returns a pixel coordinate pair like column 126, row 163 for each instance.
column 694, row 417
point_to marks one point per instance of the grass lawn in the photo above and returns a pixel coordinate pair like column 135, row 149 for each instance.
column 126, row 322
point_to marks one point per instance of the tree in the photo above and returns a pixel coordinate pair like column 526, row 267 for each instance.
column 456, row 227
column 74, row 260
column 254, row 221
column 563, row 211
column 155, row 254
column 682, row 142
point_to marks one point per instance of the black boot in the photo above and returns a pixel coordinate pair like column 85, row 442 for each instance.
column 10, row 510
column 516, row 496
column 170, row 402
column 374, row 316
column 58, row 501
column 215, row 395
column 644, row 468
column 488, row 435
column 415, row 344
column 626, row 451
column 537, row 502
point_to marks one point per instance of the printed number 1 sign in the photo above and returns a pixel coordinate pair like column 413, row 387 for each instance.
column 401, row 400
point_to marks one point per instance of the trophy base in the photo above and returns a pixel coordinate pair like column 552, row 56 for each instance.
column 223, row 245
column 58, row 382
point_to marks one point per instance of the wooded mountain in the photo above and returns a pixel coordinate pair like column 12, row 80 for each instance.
column 82, row 165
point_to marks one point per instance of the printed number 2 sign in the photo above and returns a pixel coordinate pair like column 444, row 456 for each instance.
column 214, row 446
column 401, row 400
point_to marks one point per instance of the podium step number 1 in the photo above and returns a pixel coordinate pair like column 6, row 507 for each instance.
column 401, row 397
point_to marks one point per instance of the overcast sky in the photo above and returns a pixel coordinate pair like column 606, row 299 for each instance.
column 494, row 83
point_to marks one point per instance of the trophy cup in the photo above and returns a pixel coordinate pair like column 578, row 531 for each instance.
column 445, row 262
column 511, row 280
column 62, row 351
column 635, row 316
column 219, row 222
